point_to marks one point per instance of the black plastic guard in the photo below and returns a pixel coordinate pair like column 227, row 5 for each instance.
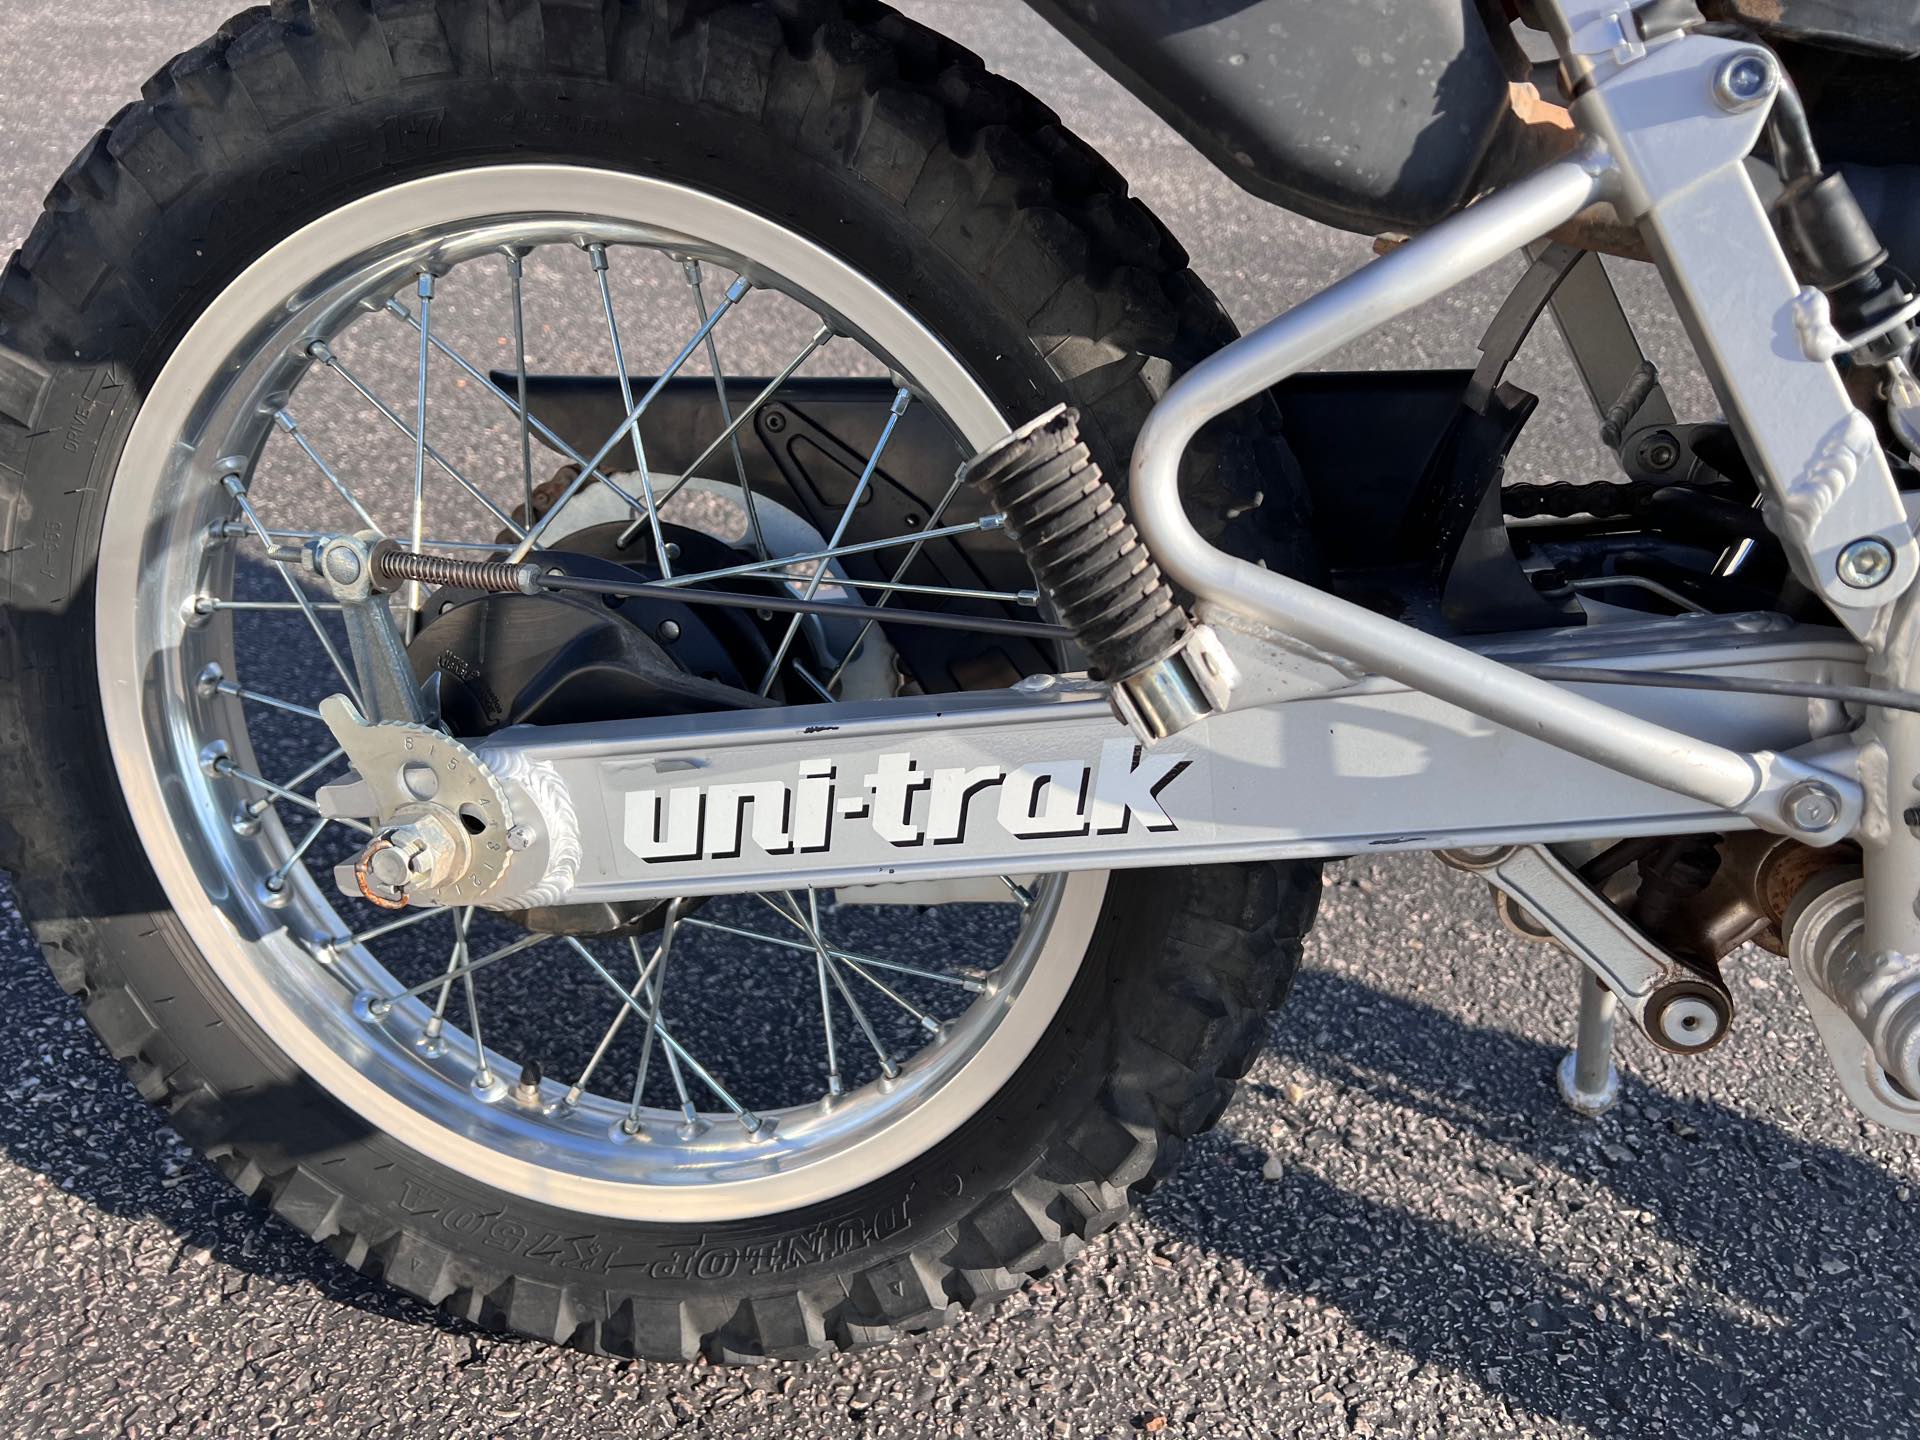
column 1370, row 115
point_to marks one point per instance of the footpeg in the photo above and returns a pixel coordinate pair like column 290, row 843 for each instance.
column 1164, row 670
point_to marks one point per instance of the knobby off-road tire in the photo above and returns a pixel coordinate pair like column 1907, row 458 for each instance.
column 958, row 193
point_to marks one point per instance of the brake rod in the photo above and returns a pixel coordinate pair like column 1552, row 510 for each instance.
column 393, row 565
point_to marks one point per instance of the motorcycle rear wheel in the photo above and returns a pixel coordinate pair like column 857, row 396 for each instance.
column 936, row 213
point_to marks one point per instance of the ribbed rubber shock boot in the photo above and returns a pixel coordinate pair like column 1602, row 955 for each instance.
column 1084, row 551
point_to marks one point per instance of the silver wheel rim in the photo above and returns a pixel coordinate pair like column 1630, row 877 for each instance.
column 280, row 953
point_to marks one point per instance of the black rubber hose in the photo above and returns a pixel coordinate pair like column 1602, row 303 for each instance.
column 1085, row 553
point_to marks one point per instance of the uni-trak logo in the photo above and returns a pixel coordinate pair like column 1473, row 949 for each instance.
column 904, row 803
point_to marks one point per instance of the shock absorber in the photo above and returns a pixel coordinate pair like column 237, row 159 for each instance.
column 1164, row 671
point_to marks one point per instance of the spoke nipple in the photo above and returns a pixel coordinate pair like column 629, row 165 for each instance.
column 993, row 522
column 597, row 253
column 1028, row 597
column 835, row 1086
column 737, row 291
column 214, row 759
column 630, row 1127
column 286, row 422
column 751, row 1123
column 208, row 681
column 329, row 950
column 245, row 820
column 931, row 1025
column 321, row 351
column 370, row 1007
column 425, row 288
column 485, row 1082
column 890, row 1070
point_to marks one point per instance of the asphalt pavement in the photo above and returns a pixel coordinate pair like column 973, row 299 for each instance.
column 1396, row 1230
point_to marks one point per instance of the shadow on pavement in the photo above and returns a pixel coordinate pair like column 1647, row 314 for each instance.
column 1787, row 1307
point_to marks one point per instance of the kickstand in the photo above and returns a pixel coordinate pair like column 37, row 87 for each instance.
column 1588, row 1082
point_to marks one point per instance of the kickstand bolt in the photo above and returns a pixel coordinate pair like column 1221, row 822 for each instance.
column 1588, row 1082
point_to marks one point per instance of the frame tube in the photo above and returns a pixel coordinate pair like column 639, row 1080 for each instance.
column 1418, row 271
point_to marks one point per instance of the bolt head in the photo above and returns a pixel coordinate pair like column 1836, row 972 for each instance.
column 343, row 564
column 1660, row 452
column 1744, row 80
column 1810, row 806
column 1689, row 1023
column 1865, row 563
column 519, row 837
column 669, row 631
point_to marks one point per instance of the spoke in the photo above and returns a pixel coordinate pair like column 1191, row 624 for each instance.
column 216, row 684
column 225, row 767
column 208, row 605
column 835, row 1085
column 590, row 469
column 901, row 399
column 517, row 270
column 925, row 1021
column 597, row 253
column 863, row 547
column 899, row 573
column 239, row 492
column 467, row 968
column 416, row 597
column 814, row 342
column 431, row 1041
column 315, row 768
column 526, row 416
column 483, row 1072
column 760, row 936
column 887, row 1066
column 687, row 1111
column 1021, row 894
column 320, row 352
column 404, row 922
column 691, row 270
column 277, row 881
column 253, row 809
column 287, row 423
column 750, row 1122
column 579, row 1086
column 812, row 682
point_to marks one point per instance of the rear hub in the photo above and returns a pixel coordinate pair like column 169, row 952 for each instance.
column 568, row 659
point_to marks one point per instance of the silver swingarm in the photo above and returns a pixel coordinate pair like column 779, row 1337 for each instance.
column 1044, row 778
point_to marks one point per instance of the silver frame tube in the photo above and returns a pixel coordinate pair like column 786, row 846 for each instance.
column 1747, row 784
